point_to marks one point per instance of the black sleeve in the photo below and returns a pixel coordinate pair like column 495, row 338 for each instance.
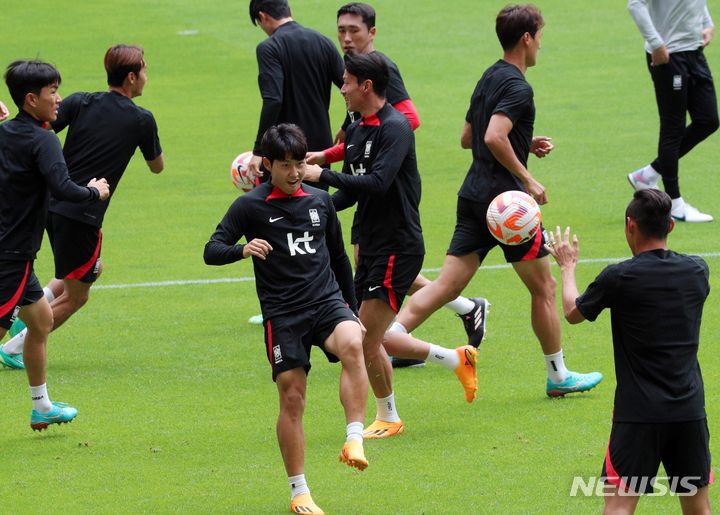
column 339, row 261
column 516, row 100
column 67, row 112
column 343, row 200
column 271, row 81
column 598, row 295
column 222, row 248
column 149, row 139
column 394, row 144
column 52, row 166
column 338, row 66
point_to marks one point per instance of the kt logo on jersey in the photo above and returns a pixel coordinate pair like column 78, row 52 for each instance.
column 294, row 244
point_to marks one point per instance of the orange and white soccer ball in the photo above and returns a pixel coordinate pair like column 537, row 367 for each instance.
column 239, row 172
column 513, row 217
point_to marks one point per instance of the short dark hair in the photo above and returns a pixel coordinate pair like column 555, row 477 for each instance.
column 651, row 211
column 515, row 20
column 283, row 140
column 370, row 67
column 120, row 60
column 29, row 76
column 362, row 9
column 276, row 9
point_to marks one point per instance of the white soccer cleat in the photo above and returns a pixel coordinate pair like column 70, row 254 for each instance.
column 639, row 181
column 688, row 213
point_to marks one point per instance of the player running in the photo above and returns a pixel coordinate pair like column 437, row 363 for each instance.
column 31, row 167
column 380, row 174
column 295, row 240
column 499, row 129
column 104, row 130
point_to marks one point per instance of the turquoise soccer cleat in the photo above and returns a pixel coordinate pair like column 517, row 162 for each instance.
column 11, row 360
column 60, row 413
column 573, row 383
column 17, row 326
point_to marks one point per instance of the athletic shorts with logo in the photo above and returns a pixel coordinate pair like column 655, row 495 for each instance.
column 76, row 247
column 636, row 450
column 18, row 287
column 472, row 236
column 387, row 277
column 290, row 337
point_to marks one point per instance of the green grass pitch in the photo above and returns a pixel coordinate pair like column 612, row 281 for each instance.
column 176, row 406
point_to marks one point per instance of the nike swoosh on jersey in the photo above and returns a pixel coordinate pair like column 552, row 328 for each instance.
column 373, row 288
column 272, row 220
column 350, row 145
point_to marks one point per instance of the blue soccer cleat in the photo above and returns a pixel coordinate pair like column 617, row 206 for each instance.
column 573, row 383
column 11, row 360
column 17, row 326
column 60, row 413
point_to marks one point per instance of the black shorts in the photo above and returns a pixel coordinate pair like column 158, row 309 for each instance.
column 18, row 287
column 635, row 452
column 473, row 236
column 386, row 277
column 76, row 247
column 289, row 337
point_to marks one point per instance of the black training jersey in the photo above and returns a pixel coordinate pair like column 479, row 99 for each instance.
column 297, row 67
column 501, row 89
column 394, row 94
column 105, row 129
column 31, row 166
column 656, row 301
column 380, row 173
column 308, row 264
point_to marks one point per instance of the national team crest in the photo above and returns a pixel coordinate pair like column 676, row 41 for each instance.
column 314, row 217
column 368, row 147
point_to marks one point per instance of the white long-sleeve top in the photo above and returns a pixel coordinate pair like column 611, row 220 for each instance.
column 677, row 24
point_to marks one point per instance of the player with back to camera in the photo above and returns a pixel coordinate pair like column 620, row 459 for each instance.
column 104, row 130
column 656, row 300
column 356, row 35
column 32, row 167
column 297, row 67
column 499, row 130
column 676, row 33
column 295, row 241
column 380, row 174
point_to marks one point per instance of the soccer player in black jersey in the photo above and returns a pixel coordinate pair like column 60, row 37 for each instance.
column 499, row 129
column 297, row 67
column 32, row 167
column 304, row 284
column 104, row 131
column 656, row 301
column 380, row 174
column 356, row 35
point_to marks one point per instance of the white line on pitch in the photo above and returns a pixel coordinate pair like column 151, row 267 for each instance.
column 155, row 284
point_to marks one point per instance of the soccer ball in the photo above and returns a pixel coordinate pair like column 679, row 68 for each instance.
column 239, row 172
column 513, row 217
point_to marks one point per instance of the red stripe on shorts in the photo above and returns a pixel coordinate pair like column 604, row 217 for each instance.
column 10, row 304
column 535, row 249
column 80, row 272
column 612, row 476
column 387, row 283
column 269, row 345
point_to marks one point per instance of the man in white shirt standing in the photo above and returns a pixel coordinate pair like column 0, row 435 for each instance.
column 675, row 33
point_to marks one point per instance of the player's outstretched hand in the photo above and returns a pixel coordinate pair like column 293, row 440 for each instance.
column 541, row 146
column 253, row 168
column 562, row 249
column 315, row 158
column 312, row 173
column 258, row 248
column 4, row 113
column 102, row 186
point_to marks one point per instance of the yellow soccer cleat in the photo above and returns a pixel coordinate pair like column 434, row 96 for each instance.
column 353, row 455
column 382, row 429
column 304, row 503
column 466, row 371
